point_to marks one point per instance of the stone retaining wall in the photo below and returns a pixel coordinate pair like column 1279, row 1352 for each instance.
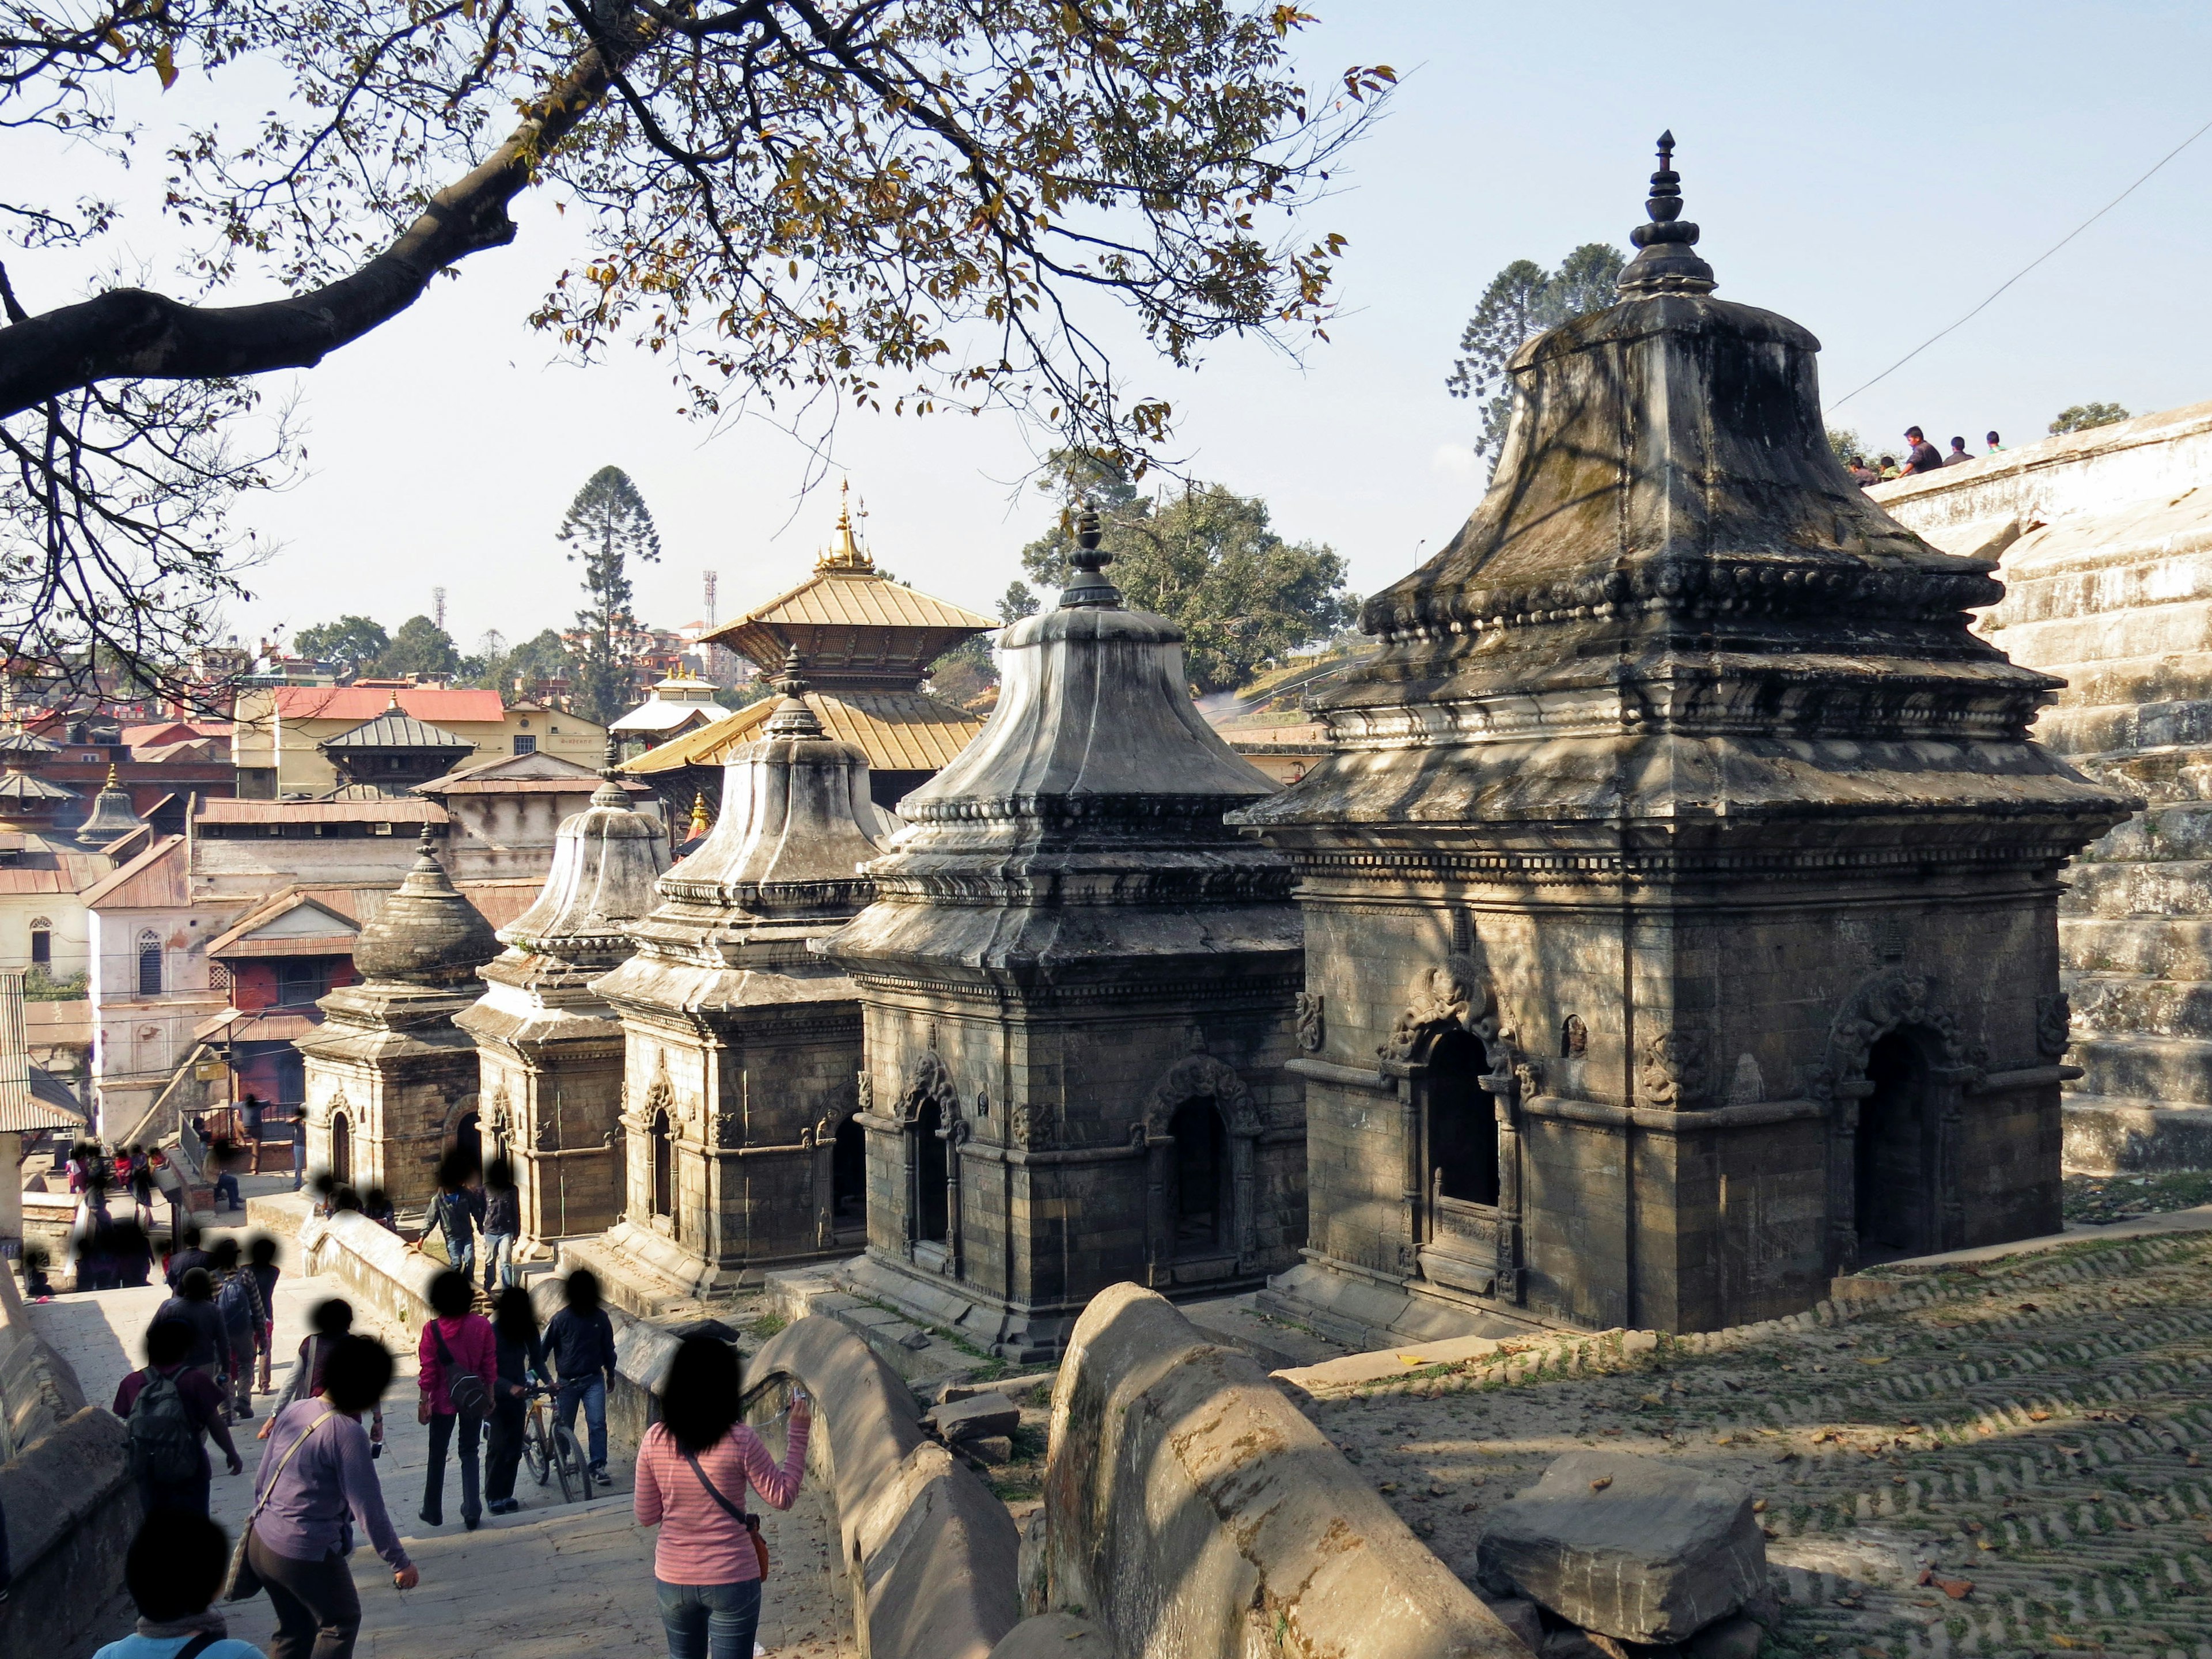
column 930, row 1555
column 71, row 1507
column 1193, row 1513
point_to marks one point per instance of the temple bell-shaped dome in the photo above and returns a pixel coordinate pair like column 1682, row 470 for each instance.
column 426, row 934
column 112, row 816
column 605, row 861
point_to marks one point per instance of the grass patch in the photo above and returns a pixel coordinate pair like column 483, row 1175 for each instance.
column 766, row 1326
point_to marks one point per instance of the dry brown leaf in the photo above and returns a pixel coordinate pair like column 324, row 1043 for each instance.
column 1957, row 1589
column 1601, row 1483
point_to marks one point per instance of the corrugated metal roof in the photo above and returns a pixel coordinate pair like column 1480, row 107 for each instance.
column 856, row 598
column 365, row 702
column 153, row 880
column 260, row 1025
column 21, row 1107
column 234, row 942
column 897, row 730
column 398, row 809
column 396, row 731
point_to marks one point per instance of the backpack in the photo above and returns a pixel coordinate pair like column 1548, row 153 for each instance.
column 234, row 1300
column 165, row 1445
column 465, row 1388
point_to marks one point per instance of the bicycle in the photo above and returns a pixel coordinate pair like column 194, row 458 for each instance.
column 550, row 1449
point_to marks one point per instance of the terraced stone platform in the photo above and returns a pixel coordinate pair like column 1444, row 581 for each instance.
column 2008, row 1458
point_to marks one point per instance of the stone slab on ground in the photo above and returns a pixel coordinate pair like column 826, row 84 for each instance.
column 977, row 1415
column 1626, row 1545
column 2032, row 1430
column 1275, row 1342
column 1355, row 1368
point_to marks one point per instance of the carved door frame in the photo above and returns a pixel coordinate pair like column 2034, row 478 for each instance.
column 929, row 1081
column 1199, row 1077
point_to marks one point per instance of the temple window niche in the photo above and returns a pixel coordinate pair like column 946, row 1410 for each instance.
column 1202, row 1195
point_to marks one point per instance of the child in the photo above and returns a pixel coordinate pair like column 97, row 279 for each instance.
column 175, row 1566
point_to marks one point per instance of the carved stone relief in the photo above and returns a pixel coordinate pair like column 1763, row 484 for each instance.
column 1312, row 1031
column 1676, row 1070
column 2054, row 1020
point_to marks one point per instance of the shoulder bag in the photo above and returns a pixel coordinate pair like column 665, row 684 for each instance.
column 750, row 1523
column 241, row 1580
column 465, row 1388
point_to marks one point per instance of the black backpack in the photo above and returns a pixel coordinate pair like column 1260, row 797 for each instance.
column 165, row 1445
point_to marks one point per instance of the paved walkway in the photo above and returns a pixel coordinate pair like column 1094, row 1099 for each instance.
column 556, row 1581
column 2009, row 1460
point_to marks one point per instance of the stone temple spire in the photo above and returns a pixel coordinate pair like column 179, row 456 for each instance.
column 113, row 815
column 1088, row 589
column 1666, row 264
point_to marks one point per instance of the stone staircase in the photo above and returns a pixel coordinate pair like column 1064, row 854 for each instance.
column 2104, row 540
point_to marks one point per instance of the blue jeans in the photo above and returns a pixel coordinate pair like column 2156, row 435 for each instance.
column 499, row 1259
column 226, row 1191
column 592, row 1391
column 710, row 1621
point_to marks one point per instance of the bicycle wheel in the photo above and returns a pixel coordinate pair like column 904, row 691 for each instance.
column 533, row 1448
column 568, row 1463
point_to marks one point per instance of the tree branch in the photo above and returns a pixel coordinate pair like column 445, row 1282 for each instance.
column 133, row 334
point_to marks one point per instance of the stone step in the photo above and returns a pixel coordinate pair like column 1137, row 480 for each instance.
column 2152, row 631
column 2154, row 576
column 2133, row 679
column 2123, row 1134
column 2120, row 727
column 2122, row 1003
column 2179, row 829
column 2156, row 947
column 2182, row 887
column 2172, row 1071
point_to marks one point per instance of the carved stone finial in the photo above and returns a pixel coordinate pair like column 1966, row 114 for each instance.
column 1088, row 586
column 792, row 717
column 1665, row 263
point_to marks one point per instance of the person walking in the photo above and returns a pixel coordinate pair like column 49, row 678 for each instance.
column 456, row 1361
column 316, row 1471
column 172, row 1409
column 252, row 1111
column 184, row 1256
column 521, row 1353
column 299, row 1144
column 452, row 1217
column 194, row 1305
column 141, row 1181
column 238, row 1299
column 331, row 1319
column 503, row 1222
column 261, row 1264
column 173, row 1570
column 693, row 1468
column 580, row 1341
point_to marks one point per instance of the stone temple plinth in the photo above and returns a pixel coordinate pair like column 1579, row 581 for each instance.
column 391, row 1079
column 1681, row 886
column 743, row 1046
column 550, row 1048
column 1078, row 990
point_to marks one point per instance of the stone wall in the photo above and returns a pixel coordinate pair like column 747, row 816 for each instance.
column 1194, row 1514
column 72, row 1506
column 930, row 1554
column 2104, row 540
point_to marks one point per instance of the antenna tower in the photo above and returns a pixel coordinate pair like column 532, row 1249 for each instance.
column 438, row 608
column 709, row 578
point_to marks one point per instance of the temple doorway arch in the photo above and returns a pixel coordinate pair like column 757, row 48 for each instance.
column 663, row 1195
column 1892, row 1151
column 1202, row 1192
column 932, row 1212
column 849, row 1183
column 341, row 1149
column 1461, row 1122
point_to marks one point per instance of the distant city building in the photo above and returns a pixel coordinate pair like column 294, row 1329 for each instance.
column 281, row 730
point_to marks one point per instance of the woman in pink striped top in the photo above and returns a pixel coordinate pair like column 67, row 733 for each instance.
column 692, row 1473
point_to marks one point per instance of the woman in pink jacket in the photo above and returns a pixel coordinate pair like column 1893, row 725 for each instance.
column 692, row 1472
column 459, row 1359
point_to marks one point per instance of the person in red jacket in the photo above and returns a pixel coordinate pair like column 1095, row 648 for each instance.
column 458, row 1360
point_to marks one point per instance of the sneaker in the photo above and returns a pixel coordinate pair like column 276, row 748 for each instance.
column 602, row 1477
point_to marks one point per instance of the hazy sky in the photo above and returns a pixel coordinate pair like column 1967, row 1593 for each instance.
column 1871, row 172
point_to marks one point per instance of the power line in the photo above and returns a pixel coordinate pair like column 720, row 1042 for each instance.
column 2024, row 269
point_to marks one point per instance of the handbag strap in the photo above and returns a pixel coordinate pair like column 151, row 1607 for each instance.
column 750, row 1523
column 290, row 1451
column 198, row 1645
column 445, row 1353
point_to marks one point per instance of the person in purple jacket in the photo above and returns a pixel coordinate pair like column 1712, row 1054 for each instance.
column 315, row 1473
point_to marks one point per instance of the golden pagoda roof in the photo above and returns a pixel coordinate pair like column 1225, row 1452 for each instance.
column 897, row 730
column 849, row 624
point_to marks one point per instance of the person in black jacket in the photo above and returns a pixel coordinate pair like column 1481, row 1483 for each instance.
column 522, row 1358
column 503, row 1222
column 194, row 1303
column 581, row 1342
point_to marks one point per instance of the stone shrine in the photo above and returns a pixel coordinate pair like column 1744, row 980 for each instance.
column 1680, row 888
column 743, row 1046
column 391, row 1078
column 1078, row 987
column 550, row 1048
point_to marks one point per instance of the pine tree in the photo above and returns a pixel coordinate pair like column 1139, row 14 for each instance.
column 1524, row 301
column 608, row 524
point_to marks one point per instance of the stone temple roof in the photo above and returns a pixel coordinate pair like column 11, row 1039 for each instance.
column 426, row 934
column 605, row 861
column 112, row 815
column 1673, row 608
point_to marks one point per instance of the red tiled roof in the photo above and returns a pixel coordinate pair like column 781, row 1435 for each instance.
column 365, row 702
column 393, row 809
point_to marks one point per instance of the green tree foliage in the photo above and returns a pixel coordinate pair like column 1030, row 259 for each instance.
column 2080, row 417
column 348, row 645
column 498, row 666
column 1524, row 301
column 1209, row 559
column 607, row 525
column 1845, row 444
column 1016, row 602
column 965, row 674
column 420, row 647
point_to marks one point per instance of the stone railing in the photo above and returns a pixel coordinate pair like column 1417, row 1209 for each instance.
column 1191, row 1512
column 930, row 1555
column 72, row 1506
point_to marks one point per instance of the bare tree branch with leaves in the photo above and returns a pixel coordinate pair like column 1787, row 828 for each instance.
column 917, row 205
